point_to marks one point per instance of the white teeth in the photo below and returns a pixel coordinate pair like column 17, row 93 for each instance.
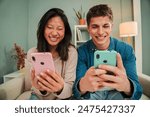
column 53, row 39
column 100, row 37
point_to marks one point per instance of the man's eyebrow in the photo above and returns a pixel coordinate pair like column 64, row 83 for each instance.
column 94, row 24
column 107, row 23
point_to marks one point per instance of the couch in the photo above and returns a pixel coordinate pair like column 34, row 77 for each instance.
column 145, row 82
column 19, row 88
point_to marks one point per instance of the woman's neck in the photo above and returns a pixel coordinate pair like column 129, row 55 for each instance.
column 54, row 52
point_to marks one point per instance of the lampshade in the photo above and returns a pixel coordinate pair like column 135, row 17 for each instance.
column 128, row 29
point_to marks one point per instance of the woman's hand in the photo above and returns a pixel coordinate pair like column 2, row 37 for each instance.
column 34, row 80
column 50, row 81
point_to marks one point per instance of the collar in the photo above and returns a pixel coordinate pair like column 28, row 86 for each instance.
column 92, row 46
column 112, row 44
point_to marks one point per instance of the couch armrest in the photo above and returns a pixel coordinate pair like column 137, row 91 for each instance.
column 145, row 82
column 12, row 89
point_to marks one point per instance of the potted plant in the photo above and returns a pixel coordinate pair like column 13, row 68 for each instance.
column 20, row 56
column 80, row 15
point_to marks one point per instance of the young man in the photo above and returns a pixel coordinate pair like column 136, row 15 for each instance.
column 89, row 80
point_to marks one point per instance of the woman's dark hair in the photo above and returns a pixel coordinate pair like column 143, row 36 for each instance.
column 99, row 10
column 62, row 48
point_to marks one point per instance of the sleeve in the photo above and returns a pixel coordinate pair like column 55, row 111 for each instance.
column 28, row 69
column 80, row 72
column 130, row 66
column 69, row 76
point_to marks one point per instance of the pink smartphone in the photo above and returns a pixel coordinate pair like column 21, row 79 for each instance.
column 42, row 61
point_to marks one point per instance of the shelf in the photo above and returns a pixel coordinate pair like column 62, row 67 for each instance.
column 81, row 27
column 81, row 35
column 81, row 41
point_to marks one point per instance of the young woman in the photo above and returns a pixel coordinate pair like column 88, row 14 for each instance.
column 54, row 35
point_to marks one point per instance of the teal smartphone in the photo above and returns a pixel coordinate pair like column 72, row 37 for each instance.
column 107, row 58
column 104, row 57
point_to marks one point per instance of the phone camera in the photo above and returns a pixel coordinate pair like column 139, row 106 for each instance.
column 33, row 58
column 42, row 63
column 97, row 56
column 104, row 61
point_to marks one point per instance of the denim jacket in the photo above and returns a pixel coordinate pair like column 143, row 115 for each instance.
column 86, row 60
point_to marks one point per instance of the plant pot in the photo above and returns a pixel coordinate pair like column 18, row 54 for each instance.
column 82, row 22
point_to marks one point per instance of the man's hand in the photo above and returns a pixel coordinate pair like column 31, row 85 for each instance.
column 119, row 80
column 91, row 81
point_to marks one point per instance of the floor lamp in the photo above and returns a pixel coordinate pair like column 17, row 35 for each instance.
column 128, row 29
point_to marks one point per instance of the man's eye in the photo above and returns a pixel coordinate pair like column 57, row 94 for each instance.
column 106, row 26
column 94, row 27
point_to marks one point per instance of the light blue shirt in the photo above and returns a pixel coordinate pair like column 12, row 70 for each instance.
column 86, row 60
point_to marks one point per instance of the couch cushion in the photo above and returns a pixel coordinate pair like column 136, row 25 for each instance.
column 144, row 97
column 24, row 96
column 11, row 89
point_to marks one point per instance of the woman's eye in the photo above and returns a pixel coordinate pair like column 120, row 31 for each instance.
column 60, row 28
column 49, row 27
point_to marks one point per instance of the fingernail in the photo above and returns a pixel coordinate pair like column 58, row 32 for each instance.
column 41, row 74
column 37, row 77
column 99, row 66
column 96, row 72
